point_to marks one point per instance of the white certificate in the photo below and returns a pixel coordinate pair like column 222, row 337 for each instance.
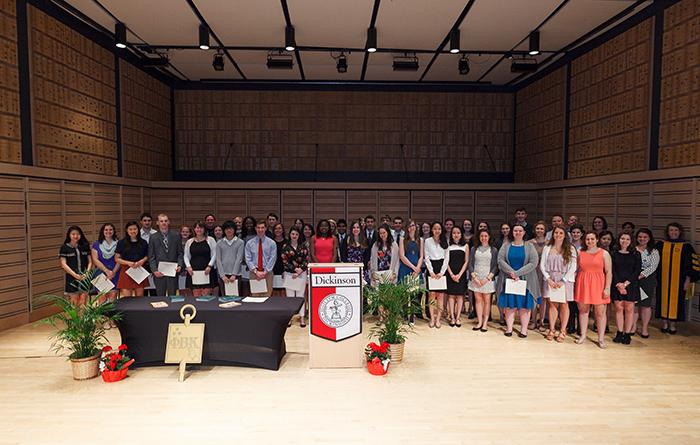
column 277, row 282
column 138, row 274
column 296, row 284
column 168, row 269
column 102, row 283
column 231, row 288
column 642, row 295
column 199, row 278
column 254, row 299
column 437, row 285
column 557, row 295
column 151, row 283
column 384, row 276
column 517, row 287
column 258, row 286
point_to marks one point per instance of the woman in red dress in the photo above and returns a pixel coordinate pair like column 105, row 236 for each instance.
column 323, row 247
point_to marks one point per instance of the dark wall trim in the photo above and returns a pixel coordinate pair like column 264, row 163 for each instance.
column 459, row 87
column 25, row 103
column 515, row 130
column 347, row 176
column 118, row 104
column 173, row 146
column 567, row 122
column 655, row 108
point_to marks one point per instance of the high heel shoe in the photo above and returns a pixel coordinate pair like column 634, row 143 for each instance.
column 508, row 334
column 476, row 328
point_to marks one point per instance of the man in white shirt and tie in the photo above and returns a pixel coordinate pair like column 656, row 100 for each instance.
column 397, row 231
column 146, row 231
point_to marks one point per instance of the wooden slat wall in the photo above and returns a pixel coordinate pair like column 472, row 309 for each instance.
column 10, row 138
column 327, row 204
column 278, row 130
column 610, row 88
column 539, row 135
column 395, row 203
column 679, row 132
column 300, row 204
column 229, row 203
column 427, row 206
column 14, row 293
column 73, row 98
column 145, row 108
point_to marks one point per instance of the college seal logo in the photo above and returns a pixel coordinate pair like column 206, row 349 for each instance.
column 335, row 311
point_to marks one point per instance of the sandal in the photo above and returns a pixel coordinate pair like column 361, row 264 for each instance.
column 550, row 335
column 561, row 337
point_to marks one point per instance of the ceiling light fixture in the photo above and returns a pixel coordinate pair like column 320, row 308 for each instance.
column 279, row 61
column 454, row 41
column 342, row 64
column 203, row 37
column 120, row 35
column 407, row 62
column 371, row 39
column 289, row 40
column 463, row 65
column 534, row 47
column 523, row 66
column 218, row 62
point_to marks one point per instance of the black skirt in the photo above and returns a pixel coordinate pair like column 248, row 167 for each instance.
column 437, row 266
column 456, row 262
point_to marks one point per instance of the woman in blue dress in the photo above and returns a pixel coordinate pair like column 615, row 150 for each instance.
column 517, row 261
column 411, row 252
column 103, row 259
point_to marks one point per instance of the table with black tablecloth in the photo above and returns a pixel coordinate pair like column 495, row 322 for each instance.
column 251, row 334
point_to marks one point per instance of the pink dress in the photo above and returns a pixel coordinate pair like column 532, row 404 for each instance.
column 590, row 281
column 323, row 249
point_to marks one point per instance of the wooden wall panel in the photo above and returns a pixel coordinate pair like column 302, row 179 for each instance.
column 632, row 205
column 73, row 98
column 576, row 203
column 278, row 130
column 326, row 204
column 300, row 204
column 107, row 207
column 132, row 207
column 491, row 207
column 673, row 201
column 146, row 118
column 528, row 199
column 609, row 102
column 602, row 201
column 459, row 205
column 230, row 203
column 363, row 203
column 395, row 203
column 14, row 294
column 539, row 135
column 197, row 205
column 262, row 202
column 171, row 203
column 10, row 127
column 679, row 132
column 427, row 206
column 78, row 205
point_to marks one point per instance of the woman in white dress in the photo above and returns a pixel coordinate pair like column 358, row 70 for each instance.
column 482, row 270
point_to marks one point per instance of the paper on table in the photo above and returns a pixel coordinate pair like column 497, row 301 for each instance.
column 296, row 284
column 199, row 277
column 557, row 295
column 138, row 274
column 102, row 284
column 254, row 299
column 231, row 288
column 517, row 287
column 258, row 286
column 167, row 268
column 277, row 282
column 437, row 285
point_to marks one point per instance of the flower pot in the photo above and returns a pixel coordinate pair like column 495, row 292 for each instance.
column 396, row 351
column 86, row 368
column 114, row 376
column 376, row 368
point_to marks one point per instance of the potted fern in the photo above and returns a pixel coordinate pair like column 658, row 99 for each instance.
column 80, row 330
column 395, row 304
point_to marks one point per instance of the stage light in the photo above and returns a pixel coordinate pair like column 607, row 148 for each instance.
column 342, row 64
column 289, row 40
column 203, row 37
column 454, row 41
column 406, row 63
column 218, row 62
column 279, row 61
column 371, row 40
column 155, row 61
column 120, row 35
column 534, row 43
column 523, row 66
column 463, row 65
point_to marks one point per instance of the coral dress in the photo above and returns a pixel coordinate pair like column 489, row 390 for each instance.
column 590, row 281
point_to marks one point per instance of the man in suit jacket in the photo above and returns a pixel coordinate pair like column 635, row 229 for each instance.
column 342, row 229
column 165, row 245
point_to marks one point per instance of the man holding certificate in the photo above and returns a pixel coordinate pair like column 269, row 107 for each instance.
column 518, row 281
column 229, row 260
column 165, row 255
column 260, row 257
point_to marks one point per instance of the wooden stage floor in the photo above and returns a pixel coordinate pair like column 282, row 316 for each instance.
column 453, row 387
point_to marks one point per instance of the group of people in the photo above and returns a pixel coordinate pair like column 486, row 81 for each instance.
column 568, row 271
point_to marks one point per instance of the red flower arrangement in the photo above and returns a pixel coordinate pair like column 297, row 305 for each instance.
column 378, row 358
column 114, row 364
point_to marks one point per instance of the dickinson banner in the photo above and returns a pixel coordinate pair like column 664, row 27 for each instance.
column 336, row 301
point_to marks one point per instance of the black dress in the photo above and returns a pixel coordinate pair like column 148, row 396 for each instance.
column 200, row 255
column 456, row 261
column 626, row 267
column 77, row 259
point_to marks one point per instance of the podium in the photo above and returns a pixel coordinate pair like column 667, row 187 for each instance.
column 336, row 309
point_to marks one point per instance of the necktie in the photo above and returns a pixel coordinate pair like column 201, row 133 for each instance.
column 260, row 263
column 165, row 240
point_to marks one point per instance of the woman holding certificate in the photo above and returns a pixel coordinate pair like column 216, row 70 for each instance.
column 103, row 251
column 384, row 259
column 75, row 260
column 558, row 266
column 200, row 257
column 626, row 268
column 131, row 253
column 518, row 280
column 458, row 252
column 435, row 249
column 593, row 286
column 295, row 258
column 647, row 279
